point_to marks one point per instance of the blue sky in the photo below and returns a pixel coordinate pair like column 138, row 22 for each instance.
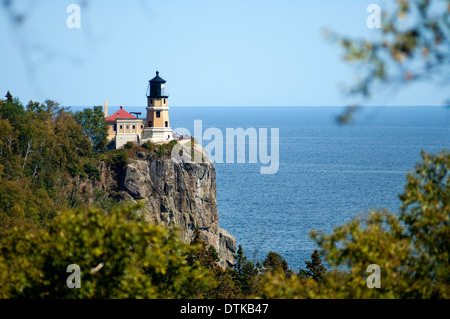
column 212, row 53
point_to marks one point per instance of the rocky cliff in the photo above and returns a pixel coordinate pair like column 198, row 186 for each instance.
column 175, row 193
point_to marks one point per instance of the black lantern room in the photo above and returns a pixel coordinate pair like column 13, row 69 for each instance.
column 157, row 87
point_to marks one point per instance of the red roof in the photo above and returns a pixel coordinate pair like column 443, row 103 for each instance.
column 121, row 114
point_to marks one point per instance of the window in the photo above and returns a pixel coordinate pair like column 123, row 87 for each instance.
column 158, row 114
column 167, row 124
column 120, row 126
column 128, row 127
column 142, row 126
column 149, row 123
column 114, row 127
column 151, row 101
column 164, row 101
column 134, row 127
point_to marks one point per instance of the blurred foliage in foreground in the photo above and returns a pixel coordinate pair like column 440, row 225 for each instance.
column 413, row 45
column 119, row 257
column 412, row 249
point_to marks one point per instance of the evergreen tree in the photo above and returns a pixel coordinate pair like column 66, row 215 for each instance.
column 244, row 272
column 315, row 269
column 208, row 258
column 274, row 262
column 9, row 97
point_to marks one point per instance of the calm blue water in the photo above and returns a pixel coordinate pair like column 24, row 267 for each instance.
column 328, row 173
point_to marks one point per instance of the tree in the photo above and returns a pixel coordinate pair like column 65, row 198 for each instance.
column 36, row 144
column 74, row 144
column 244, row 272
column 119, row 256
column 315, row 269
column 12, row 110
column 411, row 248
column 412, row 46
column 93, row 123
column 378, row 238
column 426, row 212
column 274, row 262
column 207, row 257
column 9, row 97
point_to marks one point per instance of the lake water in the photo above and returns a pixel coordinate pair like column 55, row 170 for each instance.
column 327, row 174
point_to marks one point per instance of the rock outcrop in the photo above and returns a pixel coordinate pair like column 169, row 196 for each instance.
column 175, row 193
column 180, row 194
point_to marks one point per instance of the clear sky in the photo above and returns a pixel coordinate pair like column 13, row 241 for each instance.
column 211, row 53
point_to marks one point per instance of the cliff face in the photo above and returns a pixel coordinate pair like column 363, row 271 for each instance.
column 175, row 193
column 180, row 194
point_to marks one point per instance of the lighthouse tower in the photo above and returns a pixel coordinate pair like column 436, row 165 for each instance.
column 157, row 127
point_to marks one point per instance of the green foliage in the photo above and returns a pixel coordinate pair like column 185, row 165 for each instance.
column 426, row 212
column 148, row 145
column 244, row 272
column 11, row 109
column 411, row 249
column 129, row 145
column 74, row 170
column 171, row 145
column 119, row 257
column 376, row 239
column 205, row 256
column 151, row 150
column 93, row 123
column 314, row 268
column 120, row 159
column 41, row 146
column 91, row 171
column 103, row 201
column 274, row 262
column 208, row 258
column 160, row 151
column 9, row 97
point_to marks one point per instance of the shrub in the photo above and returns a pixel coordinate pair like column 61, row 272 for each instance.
column 129, row 146
column 91, row 171
column 73, row 170
column 119, row 257
column 148, row 145
column 171, row 145
column 120, row 159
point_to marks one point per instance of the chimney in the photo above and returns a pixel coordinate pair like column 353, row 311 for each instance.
column 106, row 108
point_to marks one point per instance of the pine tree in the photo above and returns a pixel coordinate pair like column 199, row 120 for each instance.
column 315, row 269
column 208, row 258
column 9, row 97
column 240, row 260
column 244, row 271
column 274, row 262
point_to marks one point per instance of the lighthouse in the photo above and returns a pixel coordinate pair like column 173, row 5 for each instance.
column 157, row 126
